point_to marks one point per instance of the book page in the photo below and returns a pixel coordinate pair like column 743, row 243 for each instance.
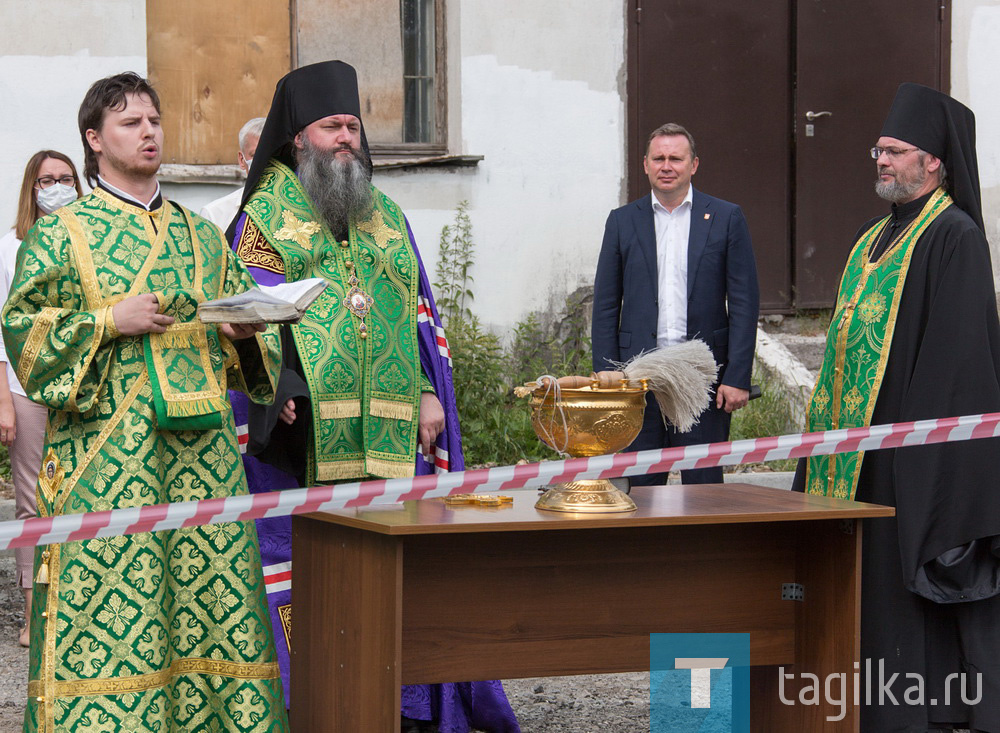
column 290, row 292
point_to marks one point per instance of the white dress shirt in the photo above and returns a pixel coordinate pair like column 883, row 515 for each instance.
column 223, row 210
column 673, row 229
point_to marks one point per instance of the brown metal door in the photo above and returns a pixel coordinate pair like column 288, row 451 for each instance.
column 742, row 76
column 851, row 55
column 720, row 68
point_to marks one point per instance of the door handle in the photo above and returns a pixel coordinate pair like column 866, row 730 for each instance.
column 813, row 115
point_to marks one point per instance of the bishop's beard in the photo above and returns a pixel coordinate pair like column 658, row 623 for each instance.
column 339, row 188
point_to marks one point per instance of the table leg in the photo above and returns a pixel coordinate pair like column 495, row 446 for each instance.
column 346, row 630
column 827, row 638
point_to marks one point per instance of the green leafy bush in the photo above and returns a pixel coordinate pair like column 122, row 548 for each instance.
column 769, row 414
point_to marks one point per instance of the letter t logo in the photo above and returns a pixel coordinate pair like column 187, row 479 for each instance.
column 701, row 677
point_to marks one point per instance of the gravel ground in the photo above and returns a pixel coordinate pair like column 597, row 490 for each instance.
column 13, row 657
column 607, row 703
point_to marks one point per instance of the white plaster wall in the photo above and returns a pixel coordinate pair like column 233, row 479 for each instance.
column 975, row 56
column 538, row 92
column 536, row 88
column 52, row 51
column 541, row 99
column 195, row 195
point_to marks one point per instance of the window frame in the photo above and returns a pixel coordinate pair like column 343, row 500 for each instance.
column 384, row 155
column 401, row 149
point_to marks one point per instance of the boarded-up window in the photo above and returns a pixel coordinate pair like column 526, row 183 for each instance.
column 214, row 65
column 395, row 46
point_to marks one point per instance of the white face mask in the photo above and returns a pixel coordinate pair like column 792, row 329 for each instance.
column 55, row 197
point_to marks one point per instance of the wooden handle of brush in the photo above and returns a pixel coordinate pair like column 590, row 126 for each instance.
column 574, row 382
column 608, row 380
column 567, row 382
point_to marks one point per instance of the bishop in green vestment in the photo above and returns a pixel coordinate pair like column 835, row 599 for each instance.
column 164, row 631
column 367, row 372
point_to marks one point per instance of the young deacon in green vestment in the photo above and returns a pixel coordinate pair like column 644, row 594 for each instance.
column 163, row 631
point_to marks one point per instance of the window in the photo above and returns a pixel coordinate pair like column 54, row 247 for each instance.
column 419, row 71
column 396, row 46
column 215, row 65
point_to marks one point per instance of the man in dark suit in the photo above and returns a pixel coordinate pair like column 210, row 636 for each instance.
column 674, row 266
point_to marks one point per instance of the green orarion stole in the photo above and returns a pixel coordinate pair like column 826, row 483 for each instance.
column 857, row 346
column 357, row 343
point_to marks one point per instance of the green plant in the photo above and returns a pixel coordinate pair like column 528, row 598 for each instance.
column 456, row 256
column 496, row 428
column 574, row 330
column 769, row 414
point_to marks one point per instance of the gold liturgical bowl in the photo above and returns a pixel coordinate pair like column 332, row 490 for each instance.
column 591, row 422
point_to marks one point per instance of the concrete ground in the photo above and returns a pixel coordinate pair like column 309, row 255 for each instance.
column 804, row 336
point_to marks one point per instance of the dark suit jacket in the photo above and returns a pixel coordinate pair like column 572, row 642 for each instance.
column 722, row 291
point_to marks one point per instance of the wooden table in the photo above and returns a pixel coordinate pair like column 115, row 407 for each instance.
column 421, row 592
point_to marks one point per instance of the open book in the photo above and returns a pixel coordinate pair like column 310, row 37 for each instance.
column 284, row 303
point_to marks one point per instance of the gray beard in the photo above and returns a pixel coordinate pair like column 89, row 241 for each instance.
column 340, row 190
column 896, row 191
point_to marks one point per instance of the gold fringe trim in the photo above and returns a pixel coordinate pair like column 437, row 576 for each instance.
column 176, row 339
column 391, row 469
column 339, row 470
column 141, row 682
column 339, row 409
column 181, row 407
column 42, row 578
column 391, row 410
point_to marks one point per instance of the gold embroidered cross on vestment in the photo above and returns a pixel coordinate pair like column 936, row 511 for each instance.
column 381, row 231
column 296, row 230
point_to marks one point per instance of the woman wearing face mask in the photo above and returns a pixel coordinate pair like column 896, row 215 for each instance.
column 50, row 181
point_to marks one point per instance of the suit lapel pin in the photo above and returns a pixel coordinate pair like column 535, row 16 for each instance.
column 708, row 216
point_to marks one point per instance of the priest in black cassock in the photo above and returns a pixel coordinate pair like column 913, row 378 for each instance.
column 915, row 335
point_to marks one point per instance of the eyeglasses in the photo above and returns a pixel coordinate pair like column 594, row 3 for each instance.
column 46, row 181
column 893, row 153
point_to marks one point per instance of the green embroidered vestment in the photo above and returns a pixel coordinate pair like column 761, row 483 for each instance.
column 362, row 365
column 164, row 631
column 857, row 347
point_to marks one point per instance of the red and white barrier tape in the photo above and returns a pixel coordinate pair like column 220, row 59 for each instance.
column 155, row 518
